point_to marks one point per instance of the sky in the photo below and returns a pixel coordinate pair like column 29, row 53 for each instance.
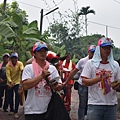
column 106, row 20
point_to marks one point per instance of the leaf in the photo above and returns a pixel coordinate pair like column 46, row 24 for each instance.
column 33, row 24
column 6, row 31
column 31, row 31
column 32, row 39
column 11, row 23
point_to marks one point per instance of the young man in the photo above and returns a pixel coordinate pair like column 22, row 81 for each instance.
column 14, row 69
column 98, row 74
column 33, row 80
column 82, row 90
column 3, row 81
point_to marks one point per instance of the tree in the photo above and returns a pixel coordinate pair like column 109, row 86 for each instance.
column 16, row 34
column 67, row 31
column 85, row 11
column 8, row 10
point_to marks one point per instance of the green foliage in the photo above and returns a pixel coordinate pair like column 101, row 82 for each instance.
column 16, row 34
column 76, row 46
column 14, row 9
column 33, row 24
column 59, row 31
column 85, row 11
column 116, row 53
column 59, row 50
column 6, row 31
column 74, row 59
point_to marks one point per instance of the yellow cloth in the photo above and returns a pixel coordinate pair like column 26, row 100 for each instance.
column 13, row 73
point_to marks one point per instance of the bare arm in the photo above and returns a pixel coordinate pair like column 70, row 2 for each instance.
column 72, row 73
column 27, row 84
column 90, row 81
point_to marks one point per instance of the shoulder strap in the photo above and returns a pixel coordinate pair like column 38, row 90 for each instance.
column 49, row 84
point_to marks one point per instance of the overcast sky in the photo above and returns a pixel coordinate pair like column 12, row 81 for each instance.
column 107, row 14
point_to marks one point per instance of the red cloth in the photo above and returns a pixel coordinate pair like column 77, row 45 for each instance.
column 66, row 73
column 67, row 89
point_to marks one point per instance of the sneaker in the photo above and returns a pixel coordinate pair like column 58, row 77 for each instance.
column 11, row 113
column 16, row 115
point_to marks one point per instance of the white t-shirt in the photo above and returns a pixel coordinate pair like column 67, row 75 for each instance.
column 38, row 97
column 95, row 95
column 80, row 65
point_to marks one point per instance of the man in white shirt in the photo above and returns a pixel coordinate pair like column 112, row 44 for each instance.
column 33, row 80
column 98, row 74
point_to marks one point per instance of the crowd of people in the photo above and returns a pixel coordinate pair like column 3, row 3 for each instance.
column 10, row 76
column 98, row 81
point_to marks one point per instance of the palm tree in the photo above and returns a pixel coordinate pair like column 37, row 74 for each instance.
column 85, row 11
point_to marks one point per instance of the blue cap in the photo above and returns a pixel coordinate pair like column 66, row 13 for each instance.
column 92, row 48
column 39, row 45
column 14, row 55
column 105, row 42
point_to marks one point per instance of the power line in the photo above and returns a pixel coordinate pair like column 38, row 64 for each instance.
column 57, row 3
column 60, row 2
column 116, row 1
column 47, row 4
column 30, row 5
column 52, row 8
column 37, row 6
column 63, row 14
column 103, row 25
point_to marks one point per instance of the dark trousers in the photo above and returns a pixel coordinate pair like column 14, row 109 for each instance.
column 83, row 98
column 3, row 91
column 35, row 116
column 10, row 99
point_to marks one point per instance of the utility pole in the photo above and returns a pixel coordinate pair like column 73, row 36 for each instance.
column 41, row 22
column 106, row 31
column 41, row 18
column 4, row 7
